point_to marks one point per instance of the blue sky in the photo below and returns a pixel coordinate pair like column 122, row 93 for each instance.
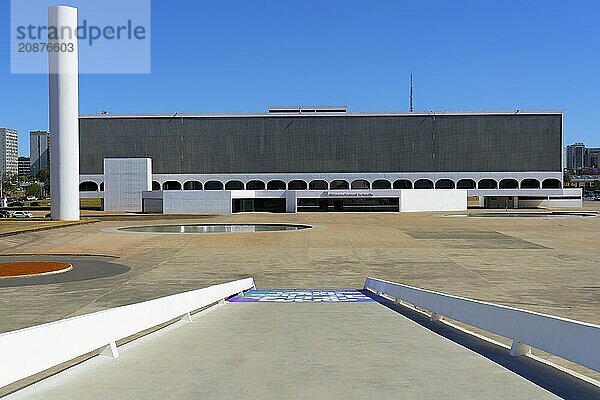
column 244, row 56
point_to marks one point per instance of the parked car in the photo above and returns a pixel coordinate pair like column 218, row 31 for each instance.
column 597, row 198
column 22, row 214
column 4, row 214
column 15, row 204
column 31, row 198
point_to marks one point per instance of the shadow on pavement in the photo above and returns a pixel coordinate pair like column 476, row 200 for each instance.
column 545, row 376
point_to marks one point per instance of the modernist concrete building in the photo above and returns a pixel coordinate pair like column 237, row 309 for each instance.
column 9, row 151
column 39, row 151
column 323, row 159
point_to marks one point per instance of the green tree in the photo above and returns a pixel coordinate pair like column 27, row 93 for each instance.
column 43, row 176
column 8, row 186
column 34, row 189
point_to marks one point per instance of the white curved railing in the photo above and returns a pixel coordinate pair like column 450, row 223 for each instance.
column 29, row 351
column 573, row 340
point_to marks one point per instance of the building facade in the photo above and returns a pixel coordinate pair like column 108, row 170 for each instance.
column 575, row 156
column 39, row 151
column 9, row 151
column 24, row 166
column 593, row 157
column 331, row 160
column 580, row 157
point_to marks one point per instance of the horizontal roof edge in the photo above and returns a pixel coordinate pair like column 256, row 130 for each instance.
column 322, row 114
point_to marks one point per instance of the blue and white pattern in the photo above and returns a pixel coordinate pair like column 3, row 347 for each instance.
column 301, row 296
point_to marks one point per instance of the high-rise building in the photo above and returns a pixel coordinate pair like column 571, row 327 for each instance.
column 593, row 157
column 39, row 151
column 575, row 157
column 24, row 166
column 9, row 151
column 578, row 157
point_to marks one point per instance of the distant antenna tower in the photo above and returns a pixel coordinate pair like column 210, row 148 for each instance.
column 410, row 107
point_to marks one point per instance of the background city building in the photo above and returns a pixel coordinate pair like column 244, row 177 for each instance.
column 575, row 156
column 581, row 158
column 593, row 155
column 24, row 167
column 39, row 151
column 9, row 151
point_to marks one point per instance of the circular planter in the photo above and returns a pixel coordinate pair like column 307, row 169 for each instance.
column 28, row 269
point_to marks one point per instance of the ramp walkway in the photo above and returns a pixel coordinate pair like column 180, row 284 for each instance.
column 281, row 348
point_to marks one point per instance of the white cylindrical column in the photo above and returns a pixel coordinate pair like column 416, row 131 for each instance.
column 64, row 113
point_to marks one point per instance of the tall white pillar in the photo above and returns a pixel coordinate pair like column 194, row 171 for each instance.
column 64, row 114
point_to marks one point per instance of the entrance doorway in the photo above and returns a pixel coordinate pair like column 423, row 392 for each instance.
column 258, row 205
column 499, row 202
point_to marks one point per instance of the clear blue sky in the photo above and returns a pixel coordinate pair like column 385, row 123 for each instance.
column 242, row 56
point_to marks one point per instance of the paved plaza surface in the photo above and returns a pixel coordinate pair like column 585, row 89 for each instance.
column 549, row 265
column 290, row 351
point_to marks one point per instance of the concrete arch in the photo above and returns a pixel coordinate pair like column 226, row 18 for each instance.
column 297, row 184
column 487, row 183
column 171, row 185
column 213, row 185
column 255, row 185
column 530, row 183
column 88, row 186
column 445, row 184
column 276, row 185
column 360, row 184
column 381, row 184
column 318, row 184
column 466, row 184
column 234, row 185
column 509, row 183
column 551, row 183
column 155, row 186
column 423, row 184
column 192, row 185
column 403, row 184
column 339, row 184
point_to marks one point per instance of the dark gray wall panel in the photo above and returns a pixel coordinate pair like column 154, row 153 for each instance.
column 404, row 143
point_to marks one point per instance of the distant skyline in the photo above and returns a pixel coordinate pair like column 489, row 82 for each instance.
column 234, row 56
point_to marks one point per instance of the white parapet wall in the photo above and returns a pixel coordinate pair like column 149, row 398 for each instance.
column 29, row 351
column 220, row 201
column 124, row 181
column 196, row 202
column 573, row 340
column 421, row 200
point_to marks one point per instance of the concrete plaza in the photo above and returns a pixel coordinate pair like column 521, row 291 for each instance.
column 542, row 264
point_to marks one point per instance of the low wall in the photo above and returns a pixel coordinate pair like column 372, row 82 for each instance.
column 421, row 200
column 573, row 340
column 29, row 351
column 197, row 202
